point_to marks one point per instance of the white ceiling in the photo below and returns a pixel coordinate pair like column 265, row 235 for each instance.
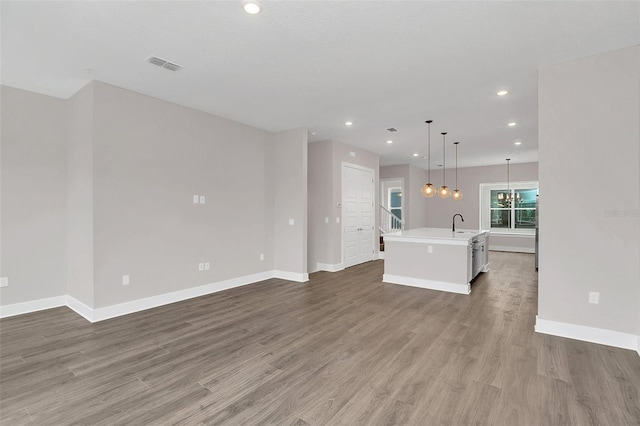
column 317, row 64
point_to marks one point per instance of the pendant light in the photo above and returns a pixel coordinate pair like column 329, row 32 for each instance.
column 428, row 190
column 444, row 191
column 457, row 194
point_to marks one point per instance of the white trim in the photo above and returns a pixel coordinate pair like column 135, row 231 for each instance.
column 81, row 309
column 107, row 312
column 379, row 255
column 529, row 184
column 513, row 249
column 329, row 267
column 638, row 350
column 291, row 276
column 32, row 306
column 429, row 284
column 126, row 308
column 588, row 334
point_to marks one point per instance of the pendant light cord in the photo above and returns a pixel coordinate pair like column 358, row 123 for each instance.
column 456, row 144
column 508, row 177
column 429, row 151
column 444, row 161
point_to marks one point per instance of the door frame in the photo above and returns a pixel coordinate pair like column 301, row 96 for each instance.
column 373, row 208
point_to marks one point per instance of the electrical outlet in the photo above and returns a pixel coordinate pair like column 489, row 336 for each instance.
column 207, row 266
column 429, row 249
column 326, row 219
column 292, row 222
column 594, row 297
column 337, row 219
column 261, row 256
column 196, row 199
column 200, row 266
column 125, row 280
column 4, row 282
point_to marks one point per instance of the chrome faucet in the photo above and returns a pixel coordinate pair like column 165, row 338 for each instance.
column 453, row 221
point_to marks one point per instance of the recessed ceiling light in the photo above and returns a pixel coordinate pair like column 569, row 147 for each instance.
column 416, row 154
column 252, row 8
column 517, row 143
column 502, row 93
column 389, row 141
column 513, row 123
column 348, row 123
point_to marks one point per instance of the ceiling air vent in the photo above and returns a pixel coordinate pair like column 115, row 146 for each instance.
column 162, row 63
column 392, row 129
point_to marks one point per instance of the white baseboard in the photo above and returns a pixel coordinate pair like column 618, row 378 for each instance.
column 429, row 284
column 101, row 314
column 588, row 334
column 80, row 308
column 291, row 276
column 329, row 267
column 32, row 306
column 512, row 249
column 379, row 255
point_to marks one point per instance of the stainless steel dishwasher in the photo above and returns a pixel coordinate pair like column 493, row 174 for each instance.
column 476, row 249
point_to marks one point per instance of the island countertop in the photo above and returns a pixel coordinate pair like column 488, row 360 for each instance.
column 436, row 258
column 435, row 236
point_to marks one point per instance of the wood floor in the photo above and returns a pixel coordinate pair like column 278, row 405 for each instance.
column 342, row 349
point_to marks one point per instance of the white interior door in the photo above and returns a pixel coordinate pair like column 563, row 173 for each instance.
column 357, row 215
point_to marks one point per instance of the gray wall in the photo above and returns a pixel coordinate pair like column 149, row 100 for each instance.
column 79, row 191
column 440, row 212
column 33, row 188
column 150, row 158
column 419, row 210
column 108, row 177
column 589, row 111
column 326, row 159
column 437, row 213
column 322, row 223
column 290, row 201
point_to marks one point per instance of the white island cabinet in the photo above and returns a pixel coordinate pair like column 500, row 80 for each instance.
column 436, row 258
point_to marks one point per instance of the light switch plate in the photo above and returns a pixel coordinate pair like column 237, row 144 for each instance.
column 196, row 199
column 326, row 219
column 261, row 256
column 125, row 280
column 4, row 282
column 207, row 266
column 200, row 266
column 202, row 199
column 594, row 297
column 292, row 222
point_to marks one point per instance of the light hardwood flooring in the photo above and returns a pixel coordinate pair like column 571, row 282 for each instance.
column 342, row 349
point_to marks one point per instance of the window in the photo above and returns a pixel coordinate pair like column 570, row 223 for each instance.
column 509, row 211
column 395, row 201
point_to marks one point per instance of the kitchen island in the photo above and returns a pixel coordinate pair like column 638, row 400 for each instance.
column 436, row 258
